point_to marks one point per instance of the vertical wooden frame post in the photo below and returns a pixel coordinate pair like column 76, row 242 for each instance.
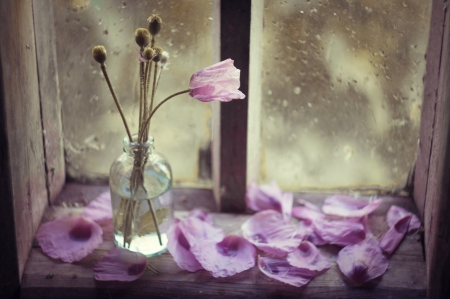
column 235, row 44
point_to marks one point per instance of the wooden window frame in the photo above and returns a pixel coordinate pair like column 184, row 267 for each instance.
column 32, row 162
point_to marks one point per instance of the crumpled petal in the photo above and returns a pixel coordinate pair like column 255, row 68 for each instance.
column 70, row 238
column 346, row 206
column 340, row 232
column 120, row 264
column 216, row 82
column 362, row 262
column 196, row 230
column 305, row 229
column 307, row 256
column 232, row 255
column 179, row 248
column 100, row 208
column 281, row 270
column 392, row 238
column 202, row 215
column 395, row 213
column 269, row 197
column 307, row 213
column 268, row 231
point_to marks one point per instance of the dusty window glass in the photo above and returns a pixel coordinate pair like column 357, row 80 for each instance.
column 93, row 129
column 342, row 91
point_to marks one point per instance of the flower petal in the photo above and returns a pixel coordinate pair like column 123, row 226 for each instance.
column 392, row 238
column 281, row 270
column 340, row 232
column 202, row 215
column 232, row 255
column 100, row 209
column 307, row 256
column 269, row 196
column 396, row 213
column 179, row 248
column 196, row 230
column 307, row 213
column 120, row 264
column 69, row 238
column 362, row 262
column 346, row 206
column 305, row 229
column 268, row 231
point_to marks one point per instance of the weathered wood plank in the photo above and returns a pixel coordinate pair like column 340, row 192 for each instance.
column 22, row 145
column 405, row 277
column 235, row 43
column 44, row 26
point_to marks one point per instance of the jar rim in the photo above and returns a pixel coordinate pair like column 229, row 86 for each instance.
column 148, row 143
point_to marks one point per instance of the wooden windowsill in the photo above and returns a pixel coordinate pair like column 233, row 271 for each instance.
column 47, row 278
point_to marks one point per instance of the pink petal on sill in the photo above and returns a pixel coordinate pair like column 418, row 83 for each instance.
column 396, row 213
column 362, row 262
column 346, row 206
column 202, row 215
column 232, row 255
column 70, row 238
column 340, row 232
column 269, row 197
column 392, row 238
column 305, row 229
column 268, row 231
column 100, row 209
column 307, row 213
column 179, row 248
column 281, row 270
column 196, row 230
column 121, row 265
column 307, row 256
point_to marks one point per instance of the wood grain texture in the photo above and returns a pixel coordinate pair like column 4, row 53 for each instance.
column 44, row 26
column 20, row 100
column 437, row 200
column 235, row 44
column 405, row 277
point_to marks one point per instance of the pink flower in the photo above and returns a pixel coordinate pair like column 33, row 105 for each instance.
column 120, row 264
column 216, row 82
column 69, row 238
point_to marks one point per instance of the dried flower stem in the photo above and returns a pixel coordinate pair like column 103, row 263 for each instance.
column 147, row 125
column 155, row 221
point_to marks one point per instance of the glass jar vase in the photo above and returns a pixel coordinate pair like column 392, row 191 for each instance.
column 140, row 181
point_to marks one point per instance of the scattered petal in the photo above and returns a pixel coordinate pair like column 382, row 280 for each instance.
column 69, row 238
column 305, row 229
column 281, row 270
column 269, row 197
column 100, row 209
column 216, row 82
column 201, row 214
column 196, row 230
column 392, row 238
column 268, row 231
column 232, row 255
column 308, row 205
column 120, row 264
column 307, row 213
column 179, row 248
column 346, row 206
column 362, row 262
column 307, row 256
column 396, row 213
column 340, row 232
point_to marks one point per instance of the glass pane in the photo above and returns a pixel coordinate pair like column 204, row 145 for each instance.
column 342, row 92
column 92, row 125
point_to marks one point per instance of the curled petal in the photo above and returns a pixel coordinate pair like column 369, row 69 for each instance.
column 269, row 197
column 99, row 209
column 216, row 82
column 268, row 231
column 281, row 270
column 307, row 213
column 305, row 229
column 179, row 248
column 346, row 206
column 202, row 215
column 232, row 255
column 307, row 256
column 120, row 264
column 340, row 232
column 196, row 230
column 362, row 262
column 396, row 213
column 69, row 238
column 392, row 238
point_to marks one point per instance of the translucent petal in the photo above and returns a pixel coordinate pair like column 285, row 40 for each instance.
column 70, row 238
column 345, row 206
column 121, row 265
column 268, row 231
column 281, row 270
column 362, row 262
column 306, row 213
column 100, row 208
column 202, row 215
column 392, row 238
column 307, row 256
column 340, row 232
column 305, row 229
column 396, row 213
column 232, row 255
column 196, row 230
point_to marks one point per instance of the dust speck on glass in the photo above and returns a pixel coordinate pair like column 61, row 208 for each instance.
column 342, row 92
column 93, row 129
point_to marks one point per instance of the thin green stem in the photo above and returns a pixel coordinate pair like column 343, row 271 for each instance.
column 103, row 67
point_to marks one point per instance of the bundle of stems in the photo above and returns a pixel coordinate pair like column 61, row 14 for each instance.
column 151, row 63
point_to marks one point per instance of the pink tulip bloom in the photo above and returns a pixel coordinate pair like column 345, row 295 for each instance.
column 216, row 82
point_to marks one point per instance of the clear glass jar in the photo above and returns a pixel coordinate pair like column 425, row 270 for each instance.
column 140, row 181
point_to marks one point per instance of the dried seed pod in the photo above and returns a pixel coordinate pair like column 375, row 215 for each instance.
column 142, row 37
column 164, row 58
column 158, row 52
column 148, row 53
column 154, row 24
column 99, row 54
